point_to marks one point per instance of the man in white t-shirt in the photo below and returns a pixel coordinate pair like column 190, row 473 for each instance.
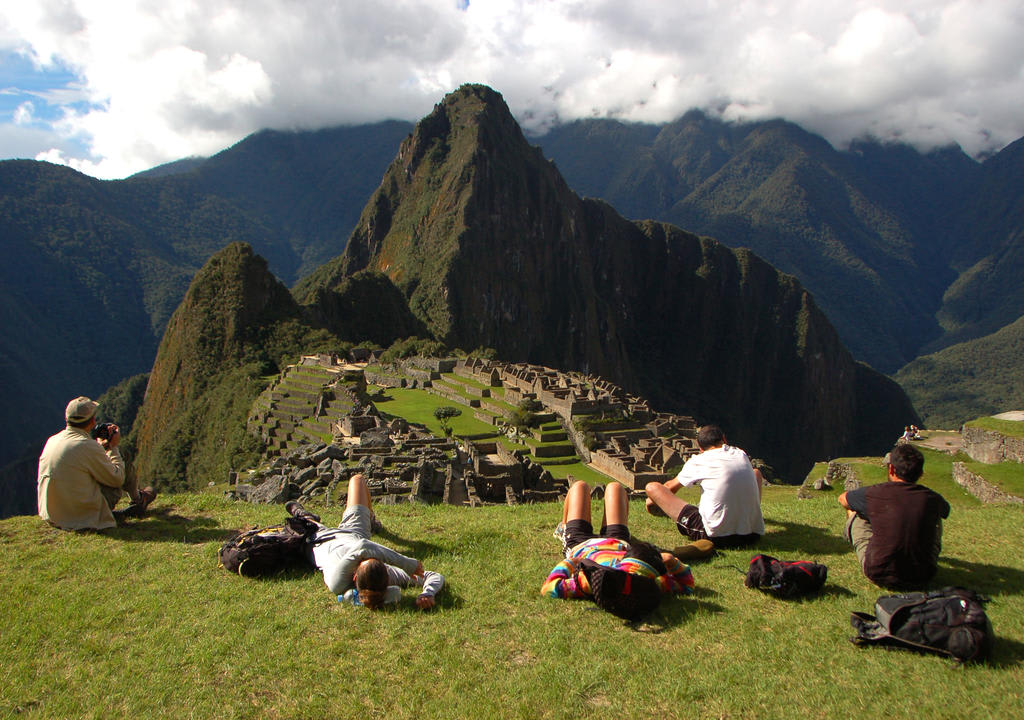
column 729, row 513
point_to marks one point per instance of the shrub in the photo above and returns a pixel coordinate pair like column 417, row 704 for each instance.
column 413, row 346
column 530, row 405
column 521, row 418
column 444, row 414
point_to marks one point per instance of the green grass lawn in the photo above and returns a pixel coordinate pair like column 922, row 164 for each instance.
column 1010, row 428
column 418, row 406
column 140, row 622
column 1007, row 476
column 453, row 378
column 938, row 473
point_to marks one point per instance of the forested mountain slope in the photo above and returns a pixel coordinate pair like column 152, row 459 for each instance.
column 867, row 231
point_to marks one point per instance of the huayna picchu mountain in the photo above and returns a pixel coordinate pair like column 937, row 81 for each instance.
column 490, row 247
column 232, row 328
column 235, row 328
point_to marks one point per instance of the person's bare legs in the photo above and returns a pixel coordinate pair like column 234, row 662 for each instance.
column 577, row 503
column 358, row 492
column 616, row 505
column 662, row 497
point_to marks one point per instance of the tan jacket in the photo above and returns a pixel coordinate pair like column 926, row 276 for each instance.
column 71, row 470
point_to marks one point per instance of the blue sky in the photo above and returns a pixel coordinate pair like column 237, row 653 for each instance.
column 114, row 88
column 31, row 102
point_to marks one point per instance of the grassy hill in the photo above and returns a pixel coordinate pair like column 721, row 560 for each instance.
column 978, row 377
column 140, row 622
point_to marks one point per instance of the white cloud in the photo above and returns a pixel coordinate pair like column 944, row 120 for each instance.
column 168, row 80
column 23, row 113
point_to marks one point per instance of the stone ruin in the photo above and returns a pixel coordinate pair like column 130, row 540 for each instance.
column 320, row 429
column 402, row 463
column 634, row 451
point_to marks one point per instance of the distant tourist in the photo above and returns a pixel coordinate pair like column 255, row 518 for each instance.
column 80, row 479
column 360, row 571
column 908, row 434
column 624, row 576
column 729, row 512
column 896, row 526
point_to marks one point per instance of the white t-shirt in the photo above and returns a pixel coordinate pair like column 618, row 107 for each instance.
column 730, row 500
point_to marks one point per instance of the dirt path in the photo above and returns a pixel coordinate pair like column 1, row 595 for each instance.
column 942, row 440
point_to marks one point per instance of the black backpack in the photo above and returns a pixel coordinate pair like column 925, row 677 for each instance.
column 264, row 551
column 785, row 578
column 950, row 621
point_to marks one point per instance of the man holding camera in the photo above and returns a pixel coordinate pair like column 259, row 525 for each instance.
column 80, row 479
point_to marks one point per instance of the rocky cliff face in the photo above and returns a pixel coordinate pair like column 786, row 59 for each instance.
column 490, row 247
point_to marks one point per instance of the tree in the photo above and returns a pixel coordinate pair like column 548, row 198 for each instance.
column 444, row 414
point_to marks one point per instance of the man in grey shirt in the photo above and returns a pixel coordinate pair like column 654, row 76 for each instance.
column 363, row 572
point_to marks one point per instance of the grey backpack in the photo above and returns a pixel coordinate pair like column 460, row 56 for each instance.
column 950, row 621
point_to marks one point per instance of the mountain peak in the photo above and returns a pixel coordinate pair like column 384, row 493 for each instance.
column 235, row 313
column 465, row 167
column 490, row 247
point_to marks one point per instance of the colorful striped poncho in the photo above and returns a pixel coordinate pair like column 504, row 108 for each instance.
column 566, row 580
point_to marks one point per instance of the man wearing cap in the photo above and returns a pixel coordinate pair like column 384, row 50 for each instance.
column 80, row 479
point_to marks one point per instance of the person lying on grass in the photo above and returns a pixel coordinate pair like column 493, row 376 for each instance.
column 360, row 571
column 624, row 576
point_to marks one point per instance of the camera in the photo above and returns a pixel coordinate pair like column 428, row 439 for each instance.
column 103, row 431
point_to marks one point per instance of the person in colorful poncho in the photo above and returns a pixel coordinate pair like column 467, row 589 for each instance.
column 624, row 576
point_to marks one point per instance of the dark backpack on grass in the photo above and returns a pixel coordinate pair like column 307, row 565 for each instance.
column 785, row 578
column 950, row 621
column 264, row 551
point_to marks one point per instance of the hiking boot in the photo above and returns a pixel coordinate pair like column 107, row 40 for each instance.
column 375, row 525
column 296, row 510
column 697, row 550
column 137, row 508
column 133, row 511
column 146, row 496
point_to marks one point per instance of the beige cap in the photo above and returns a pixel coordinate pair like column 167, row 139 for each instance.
column 80, row 410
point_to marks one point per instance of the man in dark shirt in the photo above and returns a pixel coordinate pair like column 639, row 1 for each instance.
column 896, row 526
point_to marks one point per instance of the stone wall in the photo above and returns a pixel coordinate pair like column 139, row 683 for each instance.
column 841, row 474
column 991, row 447
column 980, row 488
column 577, row 438
column 836, row 475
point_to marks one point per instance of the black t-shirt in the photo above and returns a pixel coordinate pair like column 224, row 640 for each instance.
column 904, row 518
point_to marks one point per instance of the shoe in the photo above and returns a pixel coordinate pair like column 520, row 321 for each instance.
column 560, row 536
column 137, row 509
column 296, row 510
column 697, row 550
column 133, row 511
column 376, row 525
column 146, row 496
